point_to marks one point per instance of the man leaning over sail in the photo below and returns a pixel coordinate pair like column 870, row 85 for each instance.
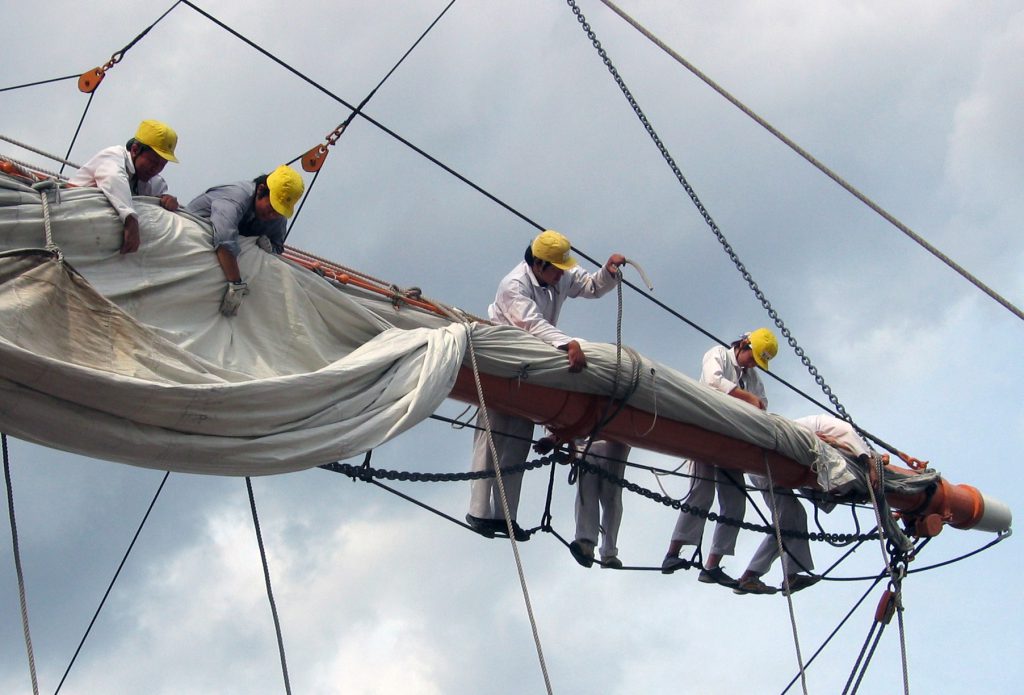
column 256, row 208
column 530, row 297
column 121, row 172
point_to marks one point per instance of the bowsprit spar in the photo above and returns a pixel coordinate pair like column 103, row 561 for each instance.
column 165, row 386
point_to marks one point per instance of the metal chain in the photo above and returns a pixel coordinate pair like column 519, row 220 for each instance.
column 366, row 473
column 772, row 313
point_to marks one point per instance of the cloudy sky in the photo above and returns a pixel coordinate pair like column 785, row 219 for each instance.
column 916, row 103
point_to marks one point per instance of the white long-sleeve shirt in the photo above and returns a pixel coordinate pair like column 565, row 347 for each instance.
column 111, row 170
column 840, row 430
column 721, row 371
column 521, row 301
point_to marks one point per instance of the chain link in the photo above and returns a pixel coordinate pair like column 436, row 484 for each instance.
column 366, row 473
column 772, row 313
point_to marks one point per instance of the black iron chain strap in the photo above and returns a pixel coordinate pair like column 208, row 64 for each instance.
column 366, row 473
column 772, row 313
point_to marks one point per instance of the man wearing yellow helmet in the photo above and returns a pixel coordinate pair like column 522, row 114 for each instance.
column 731, row 370
column 255, row 209
column 121, row 172
column 530, row 297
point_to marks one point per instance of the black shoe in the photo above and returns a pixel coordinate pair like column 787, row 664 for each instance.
column 717, row 575
column 672, row 563
column 580, row 553
column 800, row 582
column 485, row 527
column 611, row 563
column 521, row 534
column 492, row 528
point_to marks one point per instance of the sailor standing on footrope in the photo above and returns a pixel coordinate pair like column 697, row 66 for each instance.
column 530, row 297
column 731, row 370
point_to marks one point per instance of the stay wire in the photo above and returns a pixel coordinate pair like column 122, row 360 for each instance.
column 835, row 631
column 891, row 219
column 726, row 246
column 781, row 549
column 35, row 84
column 369, row 119
column 487, row 194
column 113, row 579
column 270, row 590
column 116, row 58
column 78, row 130
column 359, row 109
column 17, row 566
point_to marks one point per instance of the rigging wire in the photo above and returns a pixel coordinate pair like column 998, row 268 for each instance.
column 891, row 219
column 428, row 157
column 727, row 247
column 509, row 208
column 113, row 579
column 776, row 523
column 270, row 590
column 35, row 84
column 334, row 136
column 17, row 565
column 504, row 505
column 114, row 59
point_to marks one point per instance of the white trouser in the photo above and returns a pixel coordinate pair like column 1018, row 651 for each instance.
column 592, row 490
column 485, row 497
column 791, row 517
column 732, row 503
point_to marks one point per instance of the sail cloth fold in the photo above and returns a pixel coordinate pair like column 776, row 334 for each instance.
column 137, row 365
column 127, row 357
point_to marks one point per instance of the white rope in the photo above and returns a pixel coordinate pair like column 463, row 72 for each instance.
column 501, row 488
column 17, row 568
column 821, row 167
column 40, row 152
column 785, row 575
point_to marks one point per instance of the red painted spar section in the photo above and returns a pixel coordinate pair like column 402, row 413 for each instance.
column 574, row 414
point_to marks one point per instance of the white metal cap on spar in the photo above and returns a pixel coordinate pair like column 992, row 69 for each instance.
column 996, row 515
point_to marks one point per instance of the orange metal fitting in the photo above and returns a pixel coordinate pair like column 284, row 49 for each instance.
column 89, row 80
column 886, row 607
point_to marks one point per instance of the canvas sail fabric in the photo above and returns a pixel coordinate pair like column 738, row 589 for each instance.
column 132, row 361
column 127, row 357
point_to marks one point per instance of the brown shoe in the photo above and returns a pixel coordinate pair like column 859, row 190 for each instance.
column 753, row 585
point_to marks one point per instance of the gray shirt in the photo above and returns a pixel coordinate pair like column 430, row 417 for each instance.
column 231, row 209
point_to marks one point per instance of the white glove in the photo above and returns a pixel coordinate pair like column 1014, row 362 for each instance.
column 233, row 296
column 264, row 243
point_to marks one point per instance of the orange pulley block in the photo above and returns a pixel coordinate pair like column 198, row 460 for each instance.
column 886, row 607
column 90, row 80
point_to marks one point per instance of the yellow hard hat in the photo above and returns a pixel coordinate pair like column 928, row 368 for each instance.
column 159, row 137
column 554, row 248
column 286, row 188
column 764, row 345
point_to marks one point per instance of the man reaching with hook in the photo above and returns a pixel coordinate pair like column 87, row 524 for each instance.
column 530, row 297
